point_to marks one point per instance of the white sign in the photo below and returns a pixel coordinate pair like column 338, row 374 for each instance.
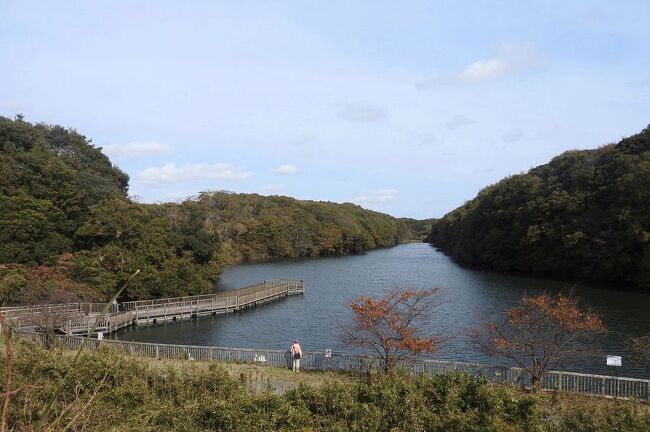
column 100, row 336
column 614, row 360
column 328, row 353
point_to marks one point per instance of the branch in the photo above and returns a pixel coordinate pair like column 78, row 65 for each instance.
column 46, row 411
column 6, row 331
column 13, row 393
column 85, row 407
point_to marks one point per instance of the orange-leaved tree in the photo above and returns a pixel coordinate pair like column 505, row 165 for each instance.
column 394, row 326
column 540, row 333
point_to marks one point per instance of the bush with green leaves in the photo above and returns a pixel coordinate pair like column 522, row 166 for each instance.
column 111, row 392
column 60, row 196
column 583, row 215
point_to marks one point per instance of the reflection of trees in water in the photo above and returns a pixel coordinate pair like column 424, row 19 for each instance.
column 465, row 296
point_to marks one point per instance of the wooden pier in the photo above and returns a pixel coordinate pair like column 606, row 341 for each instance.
column 79, row 318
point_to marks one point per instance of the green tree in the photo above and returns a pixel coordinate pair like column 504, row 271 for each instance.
column 584, row 215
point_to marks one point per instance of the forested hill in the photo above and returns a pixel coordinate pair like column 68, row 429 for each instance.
column 252, row 227
column 68, row 230
column 50, row 177
column 584, row 215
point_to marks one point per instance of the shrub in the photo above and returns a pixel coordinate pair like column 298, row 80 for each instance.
column 108, row 391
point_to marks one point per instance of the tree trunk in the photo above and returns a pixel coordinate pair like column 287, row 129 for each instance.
column 536, row 381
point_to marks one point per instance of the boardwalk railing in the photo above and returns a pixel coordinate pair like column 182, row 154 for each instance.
column 586, row 384
column 79, row 318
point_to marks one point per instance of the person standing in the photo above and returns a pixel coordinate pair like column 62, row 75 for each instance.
column 296, row 355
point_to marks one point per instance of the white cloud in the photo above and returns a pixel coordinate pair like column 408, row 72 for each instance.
column 285, row 169
column 360, row 113
column 171, row 173
column 136, row 149
column 272, row 188
column 483, row 70
column 177, row 196
column 512, row 58
column 459, row 121
column 381, row 196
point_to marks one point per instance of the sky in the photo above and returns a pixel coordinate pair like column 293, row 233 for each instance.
column 409, row 107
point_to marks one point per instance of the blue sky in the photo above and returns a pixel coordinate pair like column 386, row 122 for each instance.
column 407, row 107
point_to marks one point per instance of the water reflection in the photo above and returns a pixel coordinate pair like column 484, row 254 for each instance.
column 466, row 296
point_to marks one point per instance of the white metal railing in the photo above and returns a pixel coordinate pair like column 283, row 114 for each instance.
column 572, row 382
column 75, row 318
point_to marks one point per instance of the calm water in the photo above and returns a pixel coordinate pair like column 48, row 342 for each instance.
column 466, row 296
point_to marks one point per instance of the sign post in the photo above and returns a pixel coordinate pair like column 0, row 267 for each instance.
column 616, row 362
column 328, row 358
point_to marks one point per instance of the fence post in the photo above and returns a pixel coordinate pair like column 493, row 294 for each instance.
column 579, row 383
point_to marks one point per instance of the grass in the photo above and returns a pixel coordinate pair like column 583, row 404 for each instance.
column 258, row 377
column 114, row 392
column 282, row 379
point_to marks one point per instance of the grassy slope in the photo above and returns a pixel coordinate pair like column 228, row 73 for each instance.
column 112, row 392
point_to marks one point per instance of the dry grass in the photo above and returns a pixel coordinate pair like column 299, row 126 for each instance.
column 192, row 395
column 259, row 377
column 572, row 400
column 282, row 379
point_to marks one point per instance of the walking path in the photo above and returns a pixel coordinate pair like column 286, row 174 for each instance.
column 79, row 318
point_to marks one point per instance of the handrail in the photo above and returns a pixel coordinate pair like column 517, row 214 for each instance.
column 572, row 382
column 241, row 291
column 79, row 317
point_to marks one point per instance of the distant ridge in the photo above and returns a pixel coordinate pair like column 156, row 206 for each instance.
column 69, row 232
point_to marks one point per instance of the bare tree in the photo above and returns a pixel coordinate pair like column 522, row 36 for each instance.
column 539, row 333
column 46, row 319
column 394, row 326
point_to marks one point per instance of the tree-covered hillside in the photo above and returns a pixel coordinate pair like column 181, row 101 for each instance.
column 252, row 227
column 68, row 230
column 584, row 215
column 51, row 176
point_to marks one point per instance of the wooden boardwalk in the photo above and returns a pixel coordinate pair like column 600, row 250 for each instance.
column 79, row 318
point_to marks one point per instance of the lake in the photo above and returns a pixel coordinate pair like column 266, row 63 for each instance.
column 466, row 297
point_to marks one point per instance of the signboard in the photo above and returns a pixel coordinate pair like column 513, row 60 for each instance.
column 328, row 353
column 614, row 360
column 100, row 336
